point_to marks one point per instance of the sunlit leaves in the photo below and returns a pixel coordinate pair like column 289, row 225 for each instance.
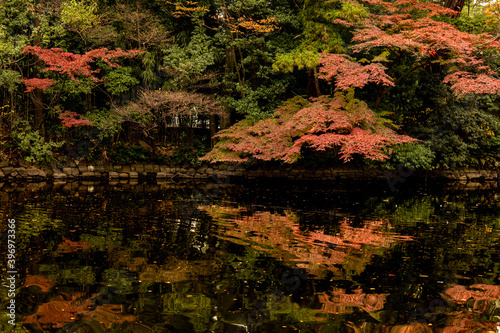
column 80, row 15
column 297, row 58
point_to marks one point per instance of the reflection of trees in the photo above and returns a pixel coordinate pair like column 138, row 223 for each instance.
column 135, row 259
column 345, row 253
column 461, row 294
column 66, row 308
column 341, row 302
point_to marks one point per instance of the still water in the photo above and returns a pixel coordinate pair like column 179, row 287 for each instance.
column 240, row 257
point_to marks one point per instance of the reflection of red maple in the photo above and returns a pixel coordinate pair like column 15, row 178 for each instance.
column 58, row 312
column 340, row 302
column 281, row 236
column 66, row 308
column 37, row 280
column 461, row 294
column 480, row 298
column 68, row 246
column 316, row 251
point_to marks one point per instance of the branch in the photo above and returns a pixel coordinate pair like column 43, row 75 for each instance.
column 381, row 96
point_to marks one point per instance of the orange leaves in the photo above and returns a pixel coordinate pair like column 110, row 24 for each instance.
column 187, row 9
column 258, row 26
column 32, row 84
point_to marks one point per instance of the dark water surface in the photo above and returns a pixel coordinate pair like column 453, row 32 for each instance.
column 267, row 257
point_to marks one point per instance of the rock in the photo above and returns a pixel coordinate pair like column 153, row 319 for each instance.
column 88, row 174
column 161, row 175
column 138, row 167
column 2, row 174
column 71, row 172
column 7, row 170
column 59, row 175
column 124, row 175
column 200, row 176
column 33, row 172
column 113, row 175
column 133, row 175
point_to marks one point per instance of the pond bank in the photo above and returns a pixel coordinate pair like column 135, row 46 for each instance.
column 140, row 172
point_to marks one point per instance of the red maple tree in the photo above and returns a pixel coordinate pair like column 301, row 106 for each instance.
column 402, row 30
column 78, row 64
column 341, row 122
column 71, row 65
column 407, row 29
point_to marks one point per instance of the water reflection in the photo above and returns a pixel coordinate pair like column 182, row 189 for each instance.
column 308, row 261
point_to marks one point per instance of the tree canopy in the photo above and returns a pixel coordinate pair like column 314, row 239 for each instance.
column 284, row 81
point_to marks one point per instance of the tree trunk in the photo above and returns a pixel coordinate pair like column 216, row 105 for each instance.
column 213, row 130
column 38, row 112
column 457, row 5
column 312, row 84
column 225, row 118
column 37, row 96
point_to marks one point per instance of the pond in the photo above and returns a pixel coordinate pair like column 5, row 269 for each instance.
column 252, row 257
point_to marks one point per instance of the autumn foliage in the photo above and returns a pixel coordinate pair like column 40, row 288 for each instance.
column 73, row 65
column 393, row 31
column 341, row 122
column 409, row 29
column 72, row 119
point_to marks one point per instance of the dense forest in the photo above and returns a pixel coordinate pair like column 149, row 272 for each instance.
column 381, row 83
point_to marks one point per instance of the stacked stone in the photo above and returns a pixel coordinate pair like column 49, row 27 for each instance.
column 135, row 172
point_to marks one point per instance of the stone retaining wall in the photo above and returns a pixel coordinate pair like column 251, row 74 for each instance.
column 160, row 172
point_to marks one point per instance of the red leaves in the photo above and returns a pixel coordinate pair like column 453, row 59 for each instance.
column 398, row 32
column 467, row 83
column 351, row 74
column 78, row 64
column 32, row 84
column 71, row 119
column 347, row 124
